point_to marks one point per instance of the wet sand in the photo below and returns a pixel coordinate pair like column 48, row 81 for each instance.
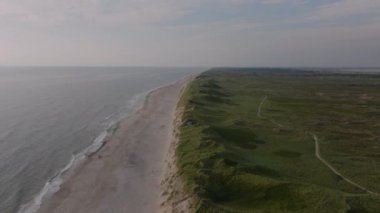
column 125, row 175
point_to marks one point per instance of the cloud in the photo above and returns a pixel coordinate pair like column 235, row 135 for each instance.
column 50, row 12
column 283, row 1
column 345, row 8
column 58, row 11
column 189, row 32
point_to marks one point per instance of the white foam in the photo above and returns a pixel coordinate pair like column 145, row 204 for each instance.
column 53, row 185
column 50, row 188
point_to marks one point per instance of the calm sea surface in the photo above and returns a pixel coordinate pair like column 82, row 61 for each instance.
column 51, row 117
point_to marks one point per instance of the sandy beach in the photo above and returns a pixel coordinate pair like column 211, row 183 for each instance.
column 125, row 175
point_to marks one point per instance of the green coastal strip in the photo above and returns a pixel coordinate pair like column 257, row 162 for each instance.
column 247, row 141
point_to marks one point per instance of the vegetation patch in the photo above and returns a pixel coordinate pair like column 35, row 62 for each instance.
column 235, row 161
column 288, row 154
column 262, row 170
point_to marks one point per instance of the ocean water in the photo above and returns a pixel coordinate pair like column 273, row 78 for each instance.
column 51, row 117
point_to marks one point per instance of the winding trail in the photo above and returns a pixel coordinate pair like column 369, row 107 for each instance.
column 260, row 116
column 260, row 106
column 318, row 154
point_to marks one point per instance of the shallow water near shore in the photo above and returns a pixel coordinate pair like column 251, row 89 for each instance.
column 52, row 117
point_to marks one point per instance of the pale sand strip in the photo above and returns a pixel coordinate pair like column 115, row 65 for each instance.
column 124, row 176
column 174, row 198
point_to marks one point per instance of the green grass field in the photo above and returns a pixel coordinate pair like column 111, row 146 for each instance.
column 235, row 159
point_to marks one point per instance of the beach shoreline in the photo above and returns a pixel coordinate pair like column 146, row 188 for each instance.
column 173, row 197
column 125, row 174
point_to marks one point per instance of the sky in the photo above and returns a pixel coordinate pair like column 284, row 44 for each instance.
column 190, row 32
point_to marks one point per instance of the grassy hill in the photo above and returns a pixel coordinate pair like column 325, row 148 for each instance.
column 245, row 142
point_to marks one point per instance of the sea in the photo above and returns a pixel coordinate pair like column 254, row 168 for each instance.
column 52, row 118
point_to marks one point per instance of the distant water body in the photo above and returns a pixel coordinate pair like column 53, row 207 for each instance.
column 51, row 117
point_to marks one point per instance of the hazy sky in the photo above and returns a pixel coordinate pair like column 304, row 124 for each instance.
column 190, row 32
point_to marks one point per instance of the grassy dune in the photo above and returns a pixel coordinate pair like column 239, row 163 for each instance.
column 236, row 161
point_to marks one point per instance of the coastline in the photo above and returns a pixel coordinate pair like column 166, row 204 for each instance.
column 173, row 196
column 125, row 173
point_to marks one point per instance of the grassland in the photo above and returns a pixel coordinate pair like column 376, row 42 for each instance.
column 246, row 141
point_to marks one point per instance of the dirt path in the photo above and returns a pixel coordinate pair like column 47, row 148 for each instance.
column 260, row 106
column 260, row 116
column 317, row 153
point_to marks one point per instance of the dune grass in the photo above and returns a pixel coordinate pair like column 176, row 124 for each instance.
column 235, row 161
